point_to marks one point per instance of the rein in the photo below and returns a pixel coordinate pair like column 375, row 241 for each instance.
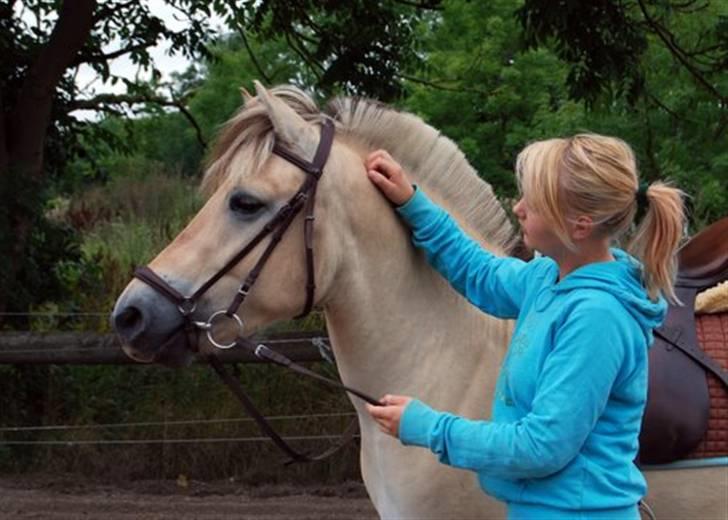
column 303, row 199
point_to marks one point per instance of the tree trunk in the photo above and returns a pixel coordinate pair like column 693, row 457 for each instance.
column 24, row 131
column 3, row 141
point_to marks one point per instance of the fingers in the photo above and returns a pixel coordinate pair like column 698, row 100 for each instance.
column 378, row 155
column 379, row 412
column 382, row 162
column 397, row 400
column 385, row 417
column 389, row 414
column 386, row 166
column 380, row 180
column 387, row 175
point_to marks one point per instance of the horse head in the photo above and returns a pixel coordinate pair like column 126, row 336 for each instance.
column 248, row 186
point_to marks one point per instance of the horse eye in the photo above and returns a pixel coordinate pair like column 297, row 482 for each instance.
column 245, row 204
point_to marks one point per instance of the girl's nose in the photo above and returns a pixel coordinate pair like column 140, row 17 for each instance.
column 518, row 208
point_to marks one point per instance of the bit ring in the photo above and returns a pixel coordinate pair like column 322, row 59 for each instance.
column 210, row 329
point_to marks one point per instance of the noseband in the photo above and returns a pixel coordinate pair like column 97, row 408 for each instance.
column 276, row 227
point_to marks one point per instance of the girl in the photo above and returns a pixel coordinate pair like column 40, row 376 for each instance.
column 573, row 385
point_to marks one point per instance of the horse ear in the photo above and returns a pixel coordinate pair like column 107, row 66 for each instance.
column 247, row 96
column 288, row 125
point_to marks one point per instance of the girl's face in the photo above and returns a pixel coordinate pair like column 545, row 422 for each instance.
column 536, row 232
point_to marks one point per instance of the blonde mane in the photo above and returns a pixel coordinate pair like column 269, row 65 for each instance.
column 433, row 160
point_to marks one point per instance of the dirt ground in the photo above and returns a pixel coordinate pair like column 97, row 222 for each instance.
column 41, row 497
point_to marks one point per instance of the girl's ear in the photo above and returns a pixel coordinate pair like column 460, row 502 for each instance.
column 582, row 228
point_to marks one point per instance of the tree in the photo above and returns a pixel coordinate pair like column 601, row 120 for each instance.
column 665, row 62
column 484, row 88
column 351, row 46
column 604, row 41
column 38, row 94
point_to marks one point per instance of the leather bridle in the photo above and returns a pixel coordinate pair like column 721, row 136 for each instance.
column 304, row 199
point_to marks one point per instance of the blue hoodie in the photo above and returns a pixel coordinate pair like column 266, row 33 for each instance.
column 572, row 388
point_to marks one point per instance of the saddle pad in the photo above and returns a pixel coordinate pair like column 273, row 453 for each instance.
column 712, row 332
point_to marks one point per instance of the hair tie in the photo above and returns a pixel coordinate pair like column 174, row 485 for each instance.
column 642, row 200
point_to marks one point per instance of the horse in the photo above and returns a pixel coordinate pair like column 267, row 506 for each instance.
column 395, row 325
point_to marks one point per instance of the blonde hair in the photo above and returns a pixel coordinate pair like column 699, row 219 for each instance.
column 596, row 176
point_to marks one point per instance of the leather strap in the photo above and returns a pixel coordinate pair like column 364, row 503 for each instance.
column 267, row 354
column 295, row 456
column 275, row 238
column 672, row 335
column 284, row 214
column 316, row 166
column 308, row 222
column 152, row 279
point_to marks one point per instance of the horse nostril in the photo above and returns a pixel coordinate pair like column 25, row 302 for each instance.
column 129, row 322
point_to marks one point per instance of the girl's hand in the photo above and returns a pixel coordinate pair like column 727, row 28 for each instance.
column 389, row 177
column 388, row 415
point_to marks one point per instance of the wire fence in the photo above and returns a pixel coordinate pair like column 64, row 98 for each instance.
column 61, row 427
column 185, row 422
column 53, row 314
column 201, row 440
column 92, row 348
column 97, row 345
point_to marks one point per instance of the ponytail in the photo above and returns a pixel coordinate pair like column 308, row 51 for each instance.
column 657, row 237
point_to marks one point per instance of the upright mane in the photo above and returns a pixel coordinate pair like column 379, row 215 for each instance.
column 433, row 160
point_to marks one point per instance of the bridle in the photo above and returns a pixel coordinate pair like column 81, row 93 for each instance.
column 275, row 227
column 303, row 199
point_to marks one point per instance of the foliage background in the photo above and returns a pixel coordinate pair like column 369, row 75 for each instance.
column 484, row 73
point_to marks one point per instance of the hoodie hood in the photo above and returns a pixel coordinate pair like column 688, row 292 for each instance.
column 621, row 278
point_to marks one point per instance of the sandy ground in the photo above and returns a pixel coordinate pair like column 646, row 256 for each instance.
column 64, row 498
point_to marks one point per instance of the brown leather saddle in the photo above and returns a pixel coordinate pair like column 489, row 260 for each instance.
column 679, row 401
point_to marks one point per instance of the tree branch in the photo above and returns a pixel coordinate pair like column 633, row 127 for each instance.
column 684, row 5
column 688, row 7
column 433, row 6
column 4, row 159
column 241, row 32
column 107, row 9
column 664, row 107
column 722, row 125
column 313, row 65
column 101, row 101
column 650, row 143
column 669, row 41
column 439, row 86
column 98, row 58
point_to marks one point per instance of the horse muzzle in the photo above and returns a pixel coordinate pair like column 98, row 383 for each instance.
column 151, row 328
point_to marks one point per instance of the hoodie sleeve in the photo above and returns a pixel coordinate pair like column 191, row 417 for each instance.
column 493, row 284
column 572, row 392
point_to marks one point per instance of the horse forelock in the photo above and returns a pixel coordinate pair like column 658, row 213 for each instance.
column 434, row 161
column 248, row 138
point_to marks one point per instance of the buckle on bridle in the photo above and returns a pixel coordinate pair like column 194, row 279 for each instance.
column 187, row 307
column 209, row 329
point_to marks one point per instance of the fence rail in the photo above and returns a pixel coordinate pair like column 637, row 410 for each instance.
column 86, row 348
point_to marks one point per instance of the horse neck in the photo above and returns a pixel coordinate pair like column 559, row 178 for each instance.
column 398, row 327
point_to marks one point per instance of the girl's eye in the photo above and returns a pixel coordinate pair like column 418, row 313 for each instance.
column 245, row 204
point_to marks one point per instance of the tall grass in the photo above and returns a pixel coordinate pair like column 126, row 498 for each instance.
column 125, row 223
